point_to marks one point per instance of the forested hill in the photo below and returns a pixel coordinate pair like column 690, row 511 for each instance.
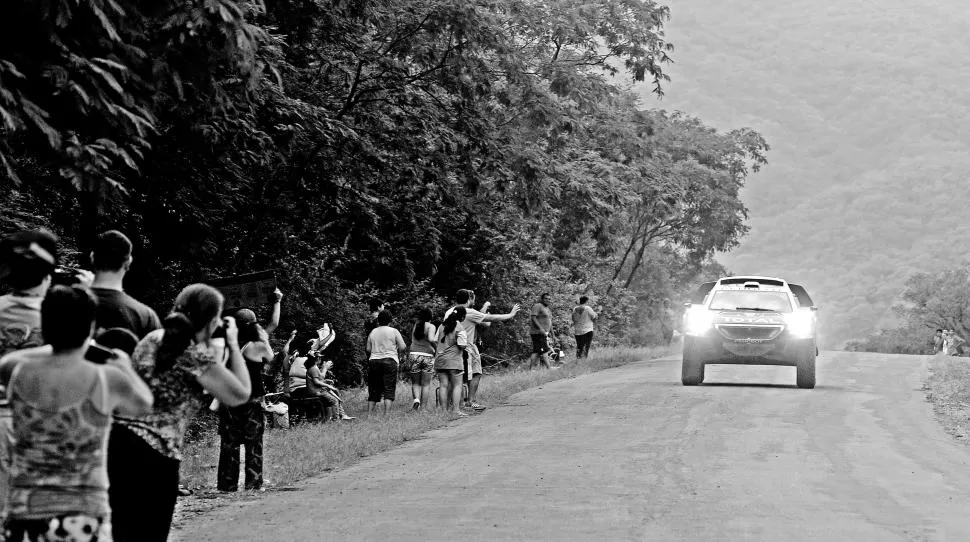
column 865, row 105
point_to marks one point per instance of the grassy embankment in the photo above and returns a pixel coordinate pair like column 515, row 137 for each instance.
column 948, row 389
column 309, row 449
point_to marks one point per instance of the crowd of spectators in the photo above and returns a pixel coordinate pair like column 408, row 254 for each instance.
column 98, row 391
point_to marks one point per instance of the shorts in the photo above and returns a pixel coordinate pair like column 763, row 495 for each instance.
column 66, row 528
column 420, row 364
column 540, row 344
column 473, row 360
column 381, row 379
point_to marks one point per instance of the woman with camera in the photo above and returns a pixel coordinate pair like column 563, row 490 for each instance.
column 180, row 362
column 62, row 396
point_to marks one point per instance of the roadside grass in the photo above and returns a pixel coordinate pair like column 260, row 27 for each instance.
column 309, row 449
column 948, row 390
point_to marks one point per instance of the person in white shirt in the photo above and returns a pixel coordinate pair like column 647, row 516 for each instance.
column 385, row 345
column 583, row 319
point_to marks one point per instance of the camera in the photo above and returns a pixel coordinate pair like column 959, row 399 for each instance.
column 220, row 332
column 65, row 276
column 98, row 354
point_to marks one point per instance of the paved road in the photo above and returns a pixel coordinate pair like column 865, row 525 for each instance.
column 629, row 454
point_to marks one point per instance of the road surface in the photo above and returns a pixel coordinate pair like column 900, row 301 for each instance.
column 630, row 454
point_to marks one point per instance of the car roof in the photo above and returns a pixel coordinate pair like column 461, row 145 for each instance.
column 741, row 279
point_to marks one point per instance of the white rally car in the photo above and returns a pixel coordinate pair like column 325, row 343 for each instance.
column 750, row 321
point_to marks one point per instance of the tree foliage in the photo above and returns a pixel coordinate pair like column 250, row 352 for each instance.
column 398, row 149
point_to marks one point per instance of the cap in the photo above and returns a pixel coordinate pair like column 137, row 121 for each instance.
column 245, row 316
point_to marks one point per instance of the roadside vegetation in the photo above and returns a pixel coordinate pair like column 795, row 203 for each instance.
column 394, row 149
column 948, row 389
column 929, row 301
column 310, row 449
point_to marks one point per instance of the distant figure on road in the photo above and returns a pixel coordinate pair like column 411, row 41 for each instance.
column 540, row 325
column 583, row 319
column 937, row 341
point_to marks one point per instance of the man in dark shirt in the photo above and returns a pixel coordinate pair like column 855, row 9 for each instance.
column 111, row 258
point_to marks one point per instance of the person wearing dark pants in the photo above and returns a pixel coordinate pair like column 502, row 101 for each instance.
column 583, row 319
column 179, row 362
column 134, row 466
column 385, row 345
column 241, row 426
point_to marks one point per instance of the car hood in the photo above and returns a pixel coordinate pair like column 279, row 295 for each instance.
column 749, row 318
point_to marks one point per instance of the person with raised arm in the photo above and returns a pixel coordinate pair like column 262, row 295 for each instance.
column 194, row 357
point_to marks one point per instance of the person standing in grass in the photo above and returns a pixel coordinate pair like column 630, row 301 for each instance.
column 244, row 425
column 540, row 325
column 473, row 319
column 449, row 363
column 583, row 318
column 421, row 358
column 384, row 346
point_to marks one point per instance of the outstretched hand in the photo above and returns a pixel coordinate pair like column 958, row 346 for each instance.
column 277, row 295
column 515, row 309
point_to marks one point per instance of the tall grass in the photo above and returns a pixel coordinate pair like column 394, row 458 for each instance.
column 309, row 449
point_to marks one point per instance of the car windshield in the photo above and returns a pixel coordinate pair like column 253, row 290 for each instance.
column 752, row 300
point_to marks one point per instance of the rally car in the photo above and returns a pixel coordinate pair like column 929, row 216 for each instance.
column 750, row 321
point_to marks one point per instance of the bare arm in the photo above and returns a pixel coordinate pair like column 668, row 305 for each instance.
column 274, row 319
column 502, row 317
column 230, row 384
column 130, row 395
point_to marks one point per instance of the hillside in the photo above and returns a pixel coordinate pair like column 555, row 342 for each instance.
column 864, row 104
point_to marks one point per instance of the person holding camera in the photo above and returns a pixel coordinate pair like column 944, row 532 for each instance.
column 244, row 425
column 62, row 406
column 180, row 363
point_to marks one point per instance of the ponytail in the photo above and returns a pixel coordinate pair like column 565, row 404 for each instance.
column 195, row 306
column 175, row 339
column 424, row 316
column 451, row 322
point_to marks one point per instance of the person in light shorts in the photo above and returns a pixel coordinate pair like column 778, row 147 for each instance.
column 421, row 358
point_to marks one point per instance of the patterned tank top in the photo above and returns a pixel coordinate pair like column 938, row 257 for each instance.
column 58, row 456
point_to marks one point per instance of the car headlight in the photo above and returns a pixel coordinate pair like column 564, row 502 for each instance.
column 698, row 320
column 801, row 324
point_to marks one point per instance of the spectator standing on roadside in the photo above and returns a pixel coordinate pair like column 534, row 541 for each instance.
column 421, row 358
column 449, row 362
column 243, row 425
column 667, row 321
column 111, row 259
column 180, row 363
column 27, row 260
column 540, row 325
column 954, row 343
column 583, row 319
column 376, row 307
column 937, row 341
column 469, row 324
column 62, row 406
column 384, row 347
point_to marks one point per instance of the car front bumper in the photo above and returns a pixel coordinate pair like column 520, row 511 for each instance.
column 783, row 350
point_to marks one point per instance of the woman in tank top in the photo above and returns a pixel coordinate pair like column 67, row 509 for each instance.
column 62, row 406
column 244, row 425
